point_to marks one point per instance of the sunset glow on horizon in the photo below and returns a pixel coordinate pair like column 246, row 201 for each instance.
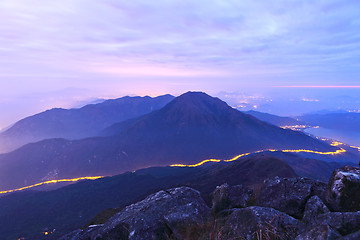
column 57, row 54
column 311, row 86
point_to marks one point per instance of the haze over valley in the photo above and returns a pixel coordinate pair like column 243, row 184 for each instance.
column 182, row 119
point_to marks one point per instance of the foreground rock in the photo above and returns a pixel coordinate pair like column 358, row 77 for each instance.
column 289, row 195
column 353, row 236
column 343, row 222
column 226, row 197
column 290, row 208
column 319, row 223
column 257, row 223
column 320, row 232
column 344, row 189
column 313, row 209
column 170, row 214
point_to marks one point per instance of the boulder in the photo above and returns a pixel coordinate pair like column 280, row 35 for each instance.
column 313, row 208
column 170, row 214
column 226, row 197
column 343, row 222
column 257, row 223
column 353, row 236
column 320, row 232
column 74, row 235
column 289, row 195
column 343, row 190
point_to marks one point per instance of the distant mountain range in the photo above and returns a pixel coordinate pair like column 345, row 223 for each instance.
column 343, row 121
column 274, row 119
column 190, row 128
column 78, row 123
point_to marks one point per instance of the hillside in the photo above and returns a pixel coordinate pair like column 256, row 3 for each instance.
column 80, row 202
column 274, row 119
column 344, row 121
column 78, row 123
column 189, row 129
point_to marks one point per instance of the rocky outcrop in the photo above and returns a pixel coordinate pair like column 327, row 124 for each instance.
column 290, row 208
column 170, row 214
column 313, row 208
column 226, row 197
column 289, row 195
column 319, row 232
column 344, row 222
column 257, row 223
column 353, row 236
column 344, row 189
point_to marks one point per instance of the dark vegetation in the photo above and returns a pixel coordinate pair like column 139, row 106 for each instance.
column 283, row 209
column 93, row 202
column 75, row 205
column 187, row 130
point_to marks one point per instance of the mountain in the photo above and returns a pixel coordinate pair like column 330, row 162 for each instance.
column 274, row 119
column 78, row 123
column 65, row 209
column 308, row 167
column 343, row 121
column 283, row 208
column 189, row 129
column 74, row 206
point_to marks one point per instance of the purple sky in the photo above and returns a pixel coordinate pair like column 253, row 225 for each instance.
column 55, row 53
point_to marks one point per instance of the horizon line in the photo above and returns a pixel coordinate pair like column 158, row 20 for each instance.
column 319, row 86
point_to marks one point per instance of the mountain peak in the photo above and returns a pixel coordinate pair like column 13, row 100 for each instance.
column 196, row 96
column 195, row 106
column 199, row 100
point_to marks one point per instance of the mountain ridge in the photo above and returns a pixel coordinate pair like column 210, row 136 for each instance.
column 172, row 134
column 77, row 123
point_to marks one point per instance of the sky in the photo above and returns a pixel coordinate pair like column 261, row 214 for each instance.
column 60, row 53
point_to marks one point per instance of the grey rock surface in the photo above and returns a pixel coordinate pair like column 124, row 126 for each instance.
column 258, row 223
column 320, row 232
column 289, row 195
column 166, row 214
column 313, row 208
column 225, row 197
column 344, row 189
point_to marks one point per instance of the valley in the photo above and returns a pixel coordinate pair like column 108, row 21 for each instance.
column 179, row 120
column 194, row 140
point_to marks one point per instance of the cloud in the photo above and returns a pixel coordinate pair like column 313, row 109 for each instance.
column 75, row 43
column 292, row 34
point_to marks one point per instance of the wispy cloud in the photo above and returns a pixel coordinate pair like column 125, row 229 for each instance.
column 275, row 42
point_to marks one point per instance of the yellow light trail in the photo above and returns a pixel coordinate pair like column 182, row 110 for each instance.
column 197, row 164
column 339, row 151
column 358, row 148
column 51, row 181
column 336, row 143
column 311, row 151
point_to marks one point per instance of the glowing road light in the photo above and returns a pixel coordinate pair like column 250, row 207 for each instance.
column 51, row 181
column 197, row 164
column 335, row 143
column 295, row 127
column 339, row 151
column 358, row 148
